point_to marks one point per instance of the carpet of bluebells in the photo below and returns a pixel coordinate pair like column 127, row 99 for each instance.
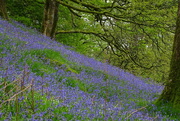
column 67, row 85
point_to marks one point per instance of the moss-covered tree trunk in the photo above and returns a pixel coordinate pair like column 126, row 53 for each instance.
column 171, row 92
column 3, row 11
column 50, row 18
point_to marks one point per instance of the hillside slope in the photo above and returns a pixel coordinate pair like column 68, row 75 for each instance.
column 48, row 81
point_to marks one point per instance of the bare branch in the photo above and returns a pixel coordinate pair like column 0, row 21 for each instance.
column 79, row 31
column 136, row 111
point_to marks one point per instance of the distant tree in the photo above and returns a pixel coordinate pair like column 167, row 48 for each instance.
column 3, row 11
column 171, row 92
column 50, row 18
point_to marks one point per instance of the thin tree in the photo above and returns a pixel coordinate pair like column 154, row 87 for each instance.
column 3, row 11
column 50, row 18
column 171, row 92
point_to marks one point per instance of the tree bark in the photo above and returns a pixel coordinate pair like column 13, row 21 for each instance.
column 50, row 18
column 3, row 11
column 171, row 92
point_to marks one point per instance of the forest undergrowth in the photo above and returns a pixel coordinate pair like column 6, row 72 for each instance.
column 43, row 80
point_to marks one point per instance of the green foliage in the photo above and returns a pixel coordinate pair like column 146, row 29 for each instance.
column 85, row 44
column 29, row 12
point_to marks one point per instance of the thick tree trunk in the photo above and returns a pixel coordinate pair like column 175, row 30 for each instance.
column 171, row 92
column 50, row 18
column 3, row 11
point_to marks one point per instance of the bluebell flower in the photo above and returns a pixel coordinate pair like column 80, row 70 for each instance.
column 118, row 93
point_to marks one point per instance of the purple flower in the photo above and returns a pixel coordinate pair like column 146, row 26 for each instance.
column 102, row 91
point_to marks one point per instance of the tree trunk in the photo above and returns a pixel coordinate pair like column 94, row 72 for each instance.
column 171, row 92
column 3, row 11
column 50, row 18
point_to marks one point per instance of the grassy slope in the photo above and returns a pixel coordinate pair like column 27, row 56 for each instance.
column 60, row 84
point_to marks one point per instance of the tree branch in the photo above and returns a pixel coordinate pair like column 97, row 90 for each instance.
column 78, row 9
column 102, row 11
column 78, row 31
